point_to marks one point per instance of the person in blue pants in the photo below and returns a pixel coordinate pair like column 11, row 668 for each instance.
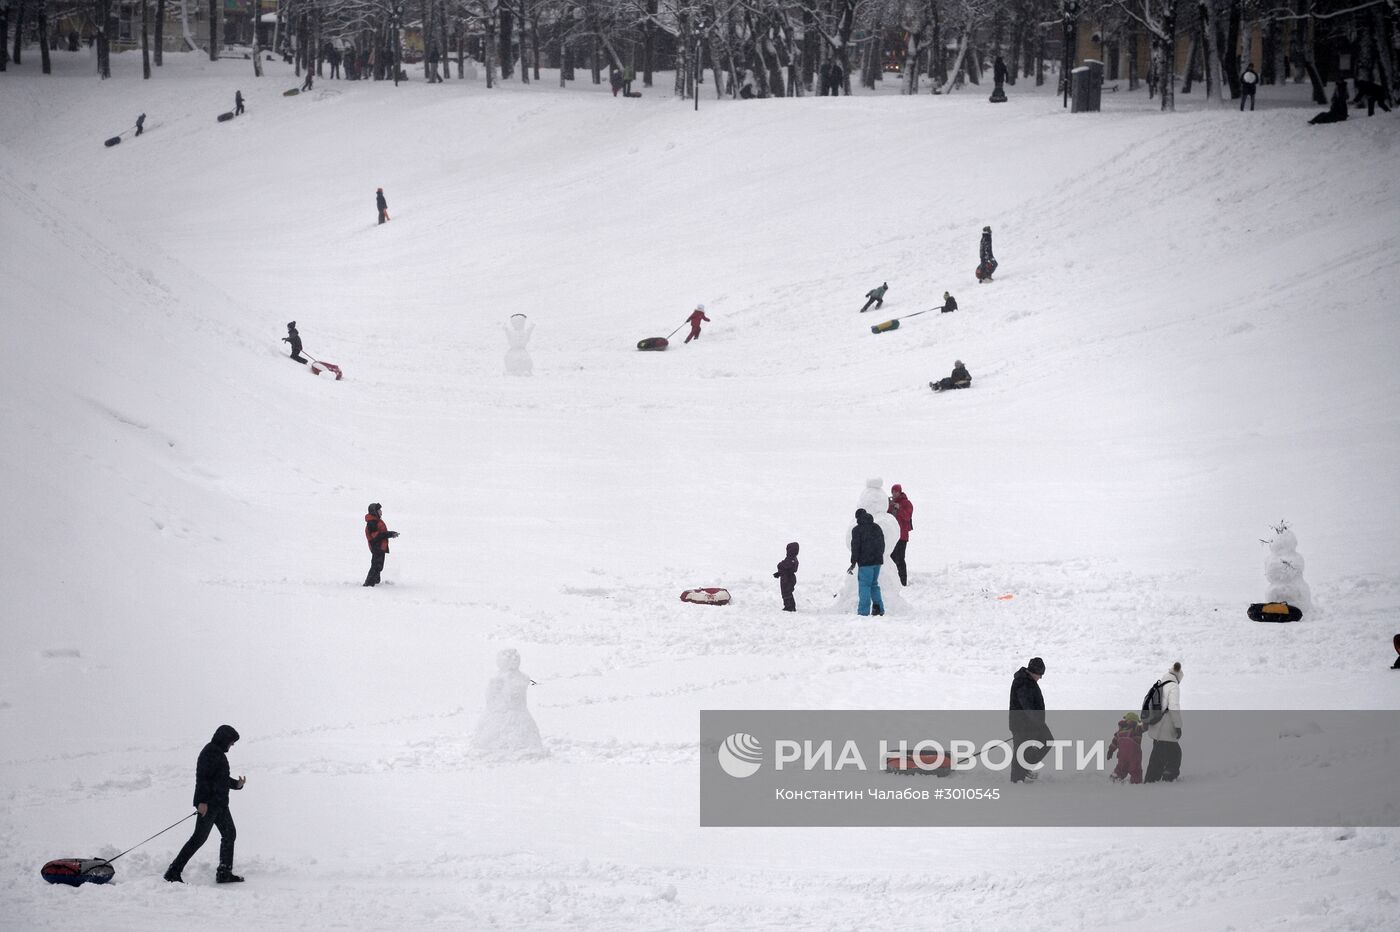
column 868, row 553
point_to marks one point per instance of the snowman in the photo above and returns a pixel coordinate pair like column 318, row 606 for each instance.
column 518, row 361
column 506, row 723
column 874, row 500
column 1283, row 568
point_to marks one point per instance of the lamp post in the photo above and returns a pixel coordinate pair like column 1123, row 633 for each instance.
column 1071, row 17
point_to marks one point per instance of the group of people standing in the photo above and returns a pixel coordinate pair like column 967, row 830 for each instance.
column 1030, row 735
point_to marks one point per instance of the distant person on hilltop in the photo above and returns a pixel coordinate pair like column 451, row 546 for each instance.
column 294, row 339
column 695, row 318
column 1249, row 83
column 876, row 296
column 382, row 204
column 1337, row 112
column 1370, row 93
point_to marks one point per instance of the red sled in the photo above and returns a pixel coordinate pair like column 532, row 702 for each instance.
column 708, row 596
column 653, row 344
column 77, row 871
column 985, row 270
column 928, row 763
column 318, row 365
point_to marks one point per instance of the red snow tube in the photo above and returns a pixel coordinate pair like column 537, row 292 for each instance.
column 925, row 762
column 709, row 596
column 77, row 871
column 653, row 343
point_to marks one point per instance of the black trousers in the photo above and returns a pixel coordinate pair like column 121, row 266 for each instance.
column 216, row 817
column 376, row 566
column 1165, row 763
column 383, row 214
column 786, row 588
column 1249, row 96
column 298, row 358
column 897, row 555
column 878, row 302
column 1032, row 755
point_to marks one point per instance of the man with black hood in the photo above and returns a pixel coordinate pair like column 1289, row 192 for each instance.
column 787, row 577
column 868, row 553
column 212, row 783
column 1027, row 719
column 378, row 535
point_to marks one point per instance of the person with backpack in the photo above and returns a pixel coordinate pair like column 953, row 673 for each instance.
column 1027, row 720
column 1249, row 83
column 903, row 510
column 787, row 577
column 212, row 783
column 378, row 535
column 294, row 339
column 1127, row 741
column 1163, row 707
column 876, row 296
column 868, row 553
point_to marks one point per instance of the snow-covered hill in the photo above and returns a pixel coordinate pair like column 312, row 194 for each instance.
column 1191, row 335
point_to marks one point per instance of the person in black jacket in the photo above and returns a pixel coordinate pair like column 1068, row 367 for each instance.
column 787, row 577
column 382, row 204
column 950, row 303
column 294, row 338
column 960, row 378
column 212, row 783
column 237, row 102
column 1337, row 112
column 988, row 262
column 868, row 553
column 1370, row 93
column 1027, row 720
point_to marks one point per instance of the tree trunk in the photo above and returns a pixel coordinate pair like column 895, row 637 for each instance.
column 4, row 36
column 1230, row 61
column 507, row 26
column 257, row 49
column 104, row 46
column 1164, row 56
column 524, row 20
column 160, row 32
column 215, row 11
column 1133, row 67
column 956, row 71
column 145, row 42
column 19, row 34
column 43, row 13
column 1040, row 56
column 488, row 51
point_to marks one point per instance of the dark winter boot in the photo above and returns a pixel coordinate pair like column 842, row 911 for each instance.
column 173, row 876
column 877, row 610
column 226, row 875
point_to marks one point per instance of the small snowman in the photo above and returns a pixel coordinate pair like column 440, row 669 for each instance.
column 518, row 361
column 875, row 501
column 506, row 723
column 1283, row 568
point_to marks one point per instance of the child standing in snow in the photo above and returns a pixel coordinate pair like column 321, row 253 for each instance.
column 787, row 577
column 1127, row 741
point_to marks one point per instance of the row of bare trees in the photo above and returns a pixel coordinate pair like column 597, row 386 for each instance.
column 765, row 48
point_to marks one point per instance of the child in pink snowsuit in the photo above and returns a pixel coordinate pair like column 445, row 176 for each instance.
column 1127, row 741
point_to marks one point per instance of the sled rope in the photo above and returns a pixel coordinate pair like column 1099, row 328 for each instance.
column 156, row 835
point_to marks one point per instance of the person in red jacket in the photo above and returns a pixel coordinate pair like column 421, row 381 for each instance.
column 378, row 536
column 696, row 316
column 1127, row 742
column 903, row 511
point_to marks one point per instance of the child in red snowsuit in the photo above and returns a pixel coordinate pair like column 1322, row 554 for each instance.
column 696, row 316
column 1127, row 741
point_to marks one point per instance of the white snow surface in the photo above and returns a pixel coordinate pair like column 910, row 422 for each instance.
column 1192, row 335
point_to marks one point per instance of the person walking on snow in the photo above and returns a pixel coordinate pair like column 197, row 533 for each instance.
column 903, row 510
column 1127, row 741
column 615, row 79
column 787, row 577
column 1249, row 83
column 237, row 102
column 876, row 296
column 378, row 535
column 294, row 338
column 696, row 316
column 1165, row 762
column 1027, row 719
column 212, row 782
column 950, row 303
column 306, row 85
column 1370, row 93
column 987, row 262
column 382, row 204
column 868, row 553
column 140, row 124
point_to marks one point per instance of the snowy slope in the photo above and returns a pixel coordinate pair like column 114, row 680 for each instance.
column 1191, row 336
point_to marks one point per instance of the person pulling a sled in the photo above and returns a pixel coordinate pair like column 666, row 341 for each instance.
column 1027, row 720
column 787, row 577
column 212, row 783
column 695, row 318
column 294, row 339
column 960, row 378
column 987, row 262
column 237, row 102
column 876, row 296
column 378, row 535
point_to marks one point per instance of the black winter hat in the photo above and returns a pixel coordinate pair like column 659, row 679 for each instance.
column 1036, row 666
column 292, row 325
column 375, row 508
column 224, row 736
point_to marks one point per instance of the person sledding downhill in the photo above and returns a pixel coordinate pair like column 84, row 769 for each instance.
column 378, row 535
column 987, row 263
column 960, row 378
column 695, row 319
